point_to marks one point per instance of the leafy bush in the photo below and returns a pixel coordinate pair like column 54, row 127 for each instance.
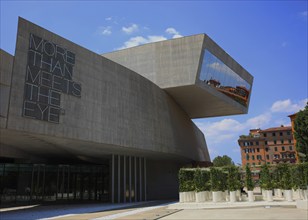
column 286, row 180
column 265, row 178
column 300, row 176
column 248, row 179
column 278, row 176
column 218, row 180
column 234, row 182
column 186, row 180
column 201, row 180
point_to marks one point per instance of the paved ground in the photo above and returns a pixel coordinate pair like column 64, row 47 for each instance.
column 160, row 210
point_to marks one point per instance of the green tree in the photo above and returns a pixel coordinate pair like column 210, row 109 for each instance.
column 222, row 161
column 234, row 182
column 202, row 180
column 248, row 179
column 265, row 178
column 301, row 133
column 186, row 180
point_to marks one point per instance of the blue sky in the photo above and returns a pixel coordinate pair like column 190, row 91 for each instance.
column 268, row 38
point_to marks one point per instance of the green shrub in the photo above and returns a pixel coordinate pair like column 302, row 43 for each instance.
column 265, row 178
column 201, row 180
column 286, row 180
column 218, row 179
column 234, row 182
column 248, row 179
column 300, row 176
column 277, row 176
column 186, row 180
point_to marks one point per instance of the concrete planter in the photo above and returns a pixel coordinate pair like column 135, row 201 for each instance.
column 181, row 196
column 233, row 196
column 187, row 196
column 269, row 195
column 305, row 194
column 201, row 196
column 191, row 197
column 238, row 195
column 288, row 195
column 278, row 193
column 209, row 196
column 250, row 196
column 217, row 196
column 264, row 194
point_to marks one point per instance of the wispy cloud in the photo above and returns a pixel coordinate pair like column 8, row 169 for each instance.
column 288, row 106
column 139, row 40
column 284, row 44
column 174, row 32
column 303, row 15
column 104, row 30
column 108, row 18
column 130, row 29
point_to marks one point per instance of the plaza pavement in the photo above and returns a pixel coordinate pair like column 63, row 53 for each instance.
column 263, row 210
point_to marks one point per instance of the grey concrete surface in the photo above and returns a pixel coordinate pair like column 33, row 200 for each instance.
column 175, row 65
column 6, row 66
column 119, row 112
column 258, row 213
column 155, row 210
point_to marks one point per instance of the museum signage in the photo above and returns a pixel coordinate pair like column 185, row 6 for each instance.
column 49, row 73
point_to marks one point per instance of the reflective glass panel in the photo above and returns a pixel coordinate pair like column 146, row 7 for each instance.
column 219, row 76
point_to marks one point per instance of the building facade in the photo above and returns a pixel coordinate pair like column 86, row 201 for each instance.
column 76, row 125
column 270, row 146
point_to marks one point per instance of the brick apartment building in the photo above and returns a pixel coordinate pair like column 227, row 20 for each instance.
column 271, row 146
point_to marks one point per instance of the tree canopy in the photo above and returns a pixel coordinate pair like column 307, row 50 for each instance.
column 301, row 133
column 222, row 161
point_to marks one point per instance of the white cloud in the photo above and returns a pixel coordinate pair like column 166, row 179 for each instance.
column 287, row 106
column 131, row 29
column 177, row 36
column 303, row 14
column 258, row 121
column 104, row 30
column 108, row 18
column 138, row 40
column 173, row 32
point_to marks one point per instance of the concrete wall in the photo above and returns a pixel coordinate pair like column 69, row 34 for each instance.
column 168, row 64
column 117, row 107
column 175, row 65
column 6, row 67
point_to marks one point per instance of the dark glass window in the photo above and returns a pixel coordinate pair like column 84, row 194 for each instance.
column 282, row 148
column 258, row 150
column 288, row 132
column 265, row 142
column 290, row 141
column 266, row 149
column 290, row 148
column 280, row 133
column 273, row 134
column 275, row 142
column 264, row 134
column 275, row 148
column 252, row 157
column 219, row 76
column 267, row 157
column 257, row 143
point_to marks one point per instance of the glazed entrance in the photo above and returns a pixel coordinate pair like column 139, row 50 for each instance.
column 43, row 182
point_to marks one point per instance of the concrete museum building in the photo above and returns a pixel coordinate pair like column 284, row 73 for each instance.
column 76, row 125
